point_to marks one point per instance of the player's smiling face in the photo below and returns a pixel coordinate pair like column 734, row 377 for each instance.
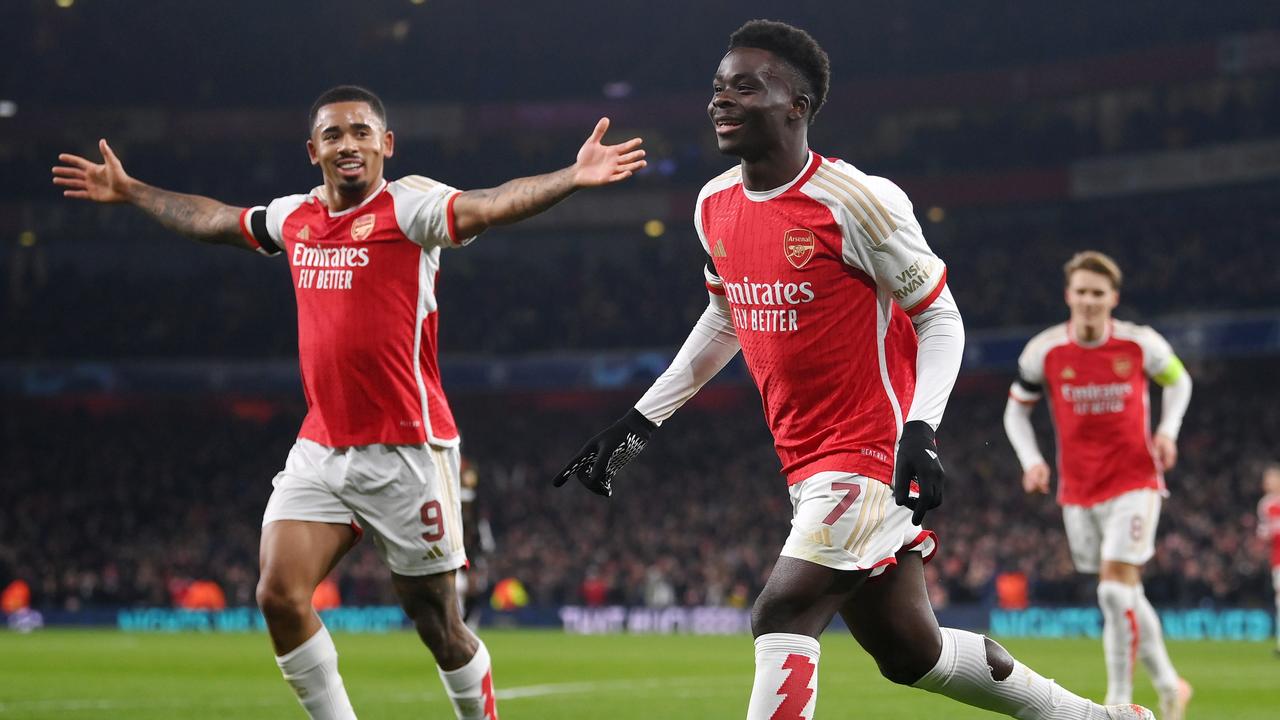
column 1091, row 297
column 753, row 103
column 349, row 142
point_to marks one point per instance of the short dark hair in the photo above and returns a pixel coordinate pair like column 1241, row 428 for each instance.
column 347, row 93
column 797, row 48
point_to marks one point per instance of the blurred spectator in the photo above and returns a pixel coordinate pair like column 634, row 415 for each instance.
column 16, row 596
column 200, row 595
column 327, row 596
column 1194, row 251
column 129, row 499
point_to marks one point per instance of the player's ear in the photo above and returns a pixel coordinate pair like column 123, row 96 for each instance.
column 311, row 153
column 388, row 144
column 800, row 107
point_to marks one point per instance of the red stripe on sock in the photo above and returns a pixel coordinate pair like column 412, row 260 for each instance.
column 1132, row 617
column 490, row 702
column 795, row 689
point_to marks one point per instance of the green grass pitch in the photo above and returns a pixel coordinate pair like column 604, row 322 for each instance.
column 78, row 674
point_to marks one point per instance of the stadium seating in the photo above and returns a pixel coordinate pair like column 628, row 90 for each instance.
column 148, row 494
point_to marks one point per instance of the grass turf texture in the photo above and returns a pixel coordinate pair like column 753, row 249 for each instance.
column 106, row 674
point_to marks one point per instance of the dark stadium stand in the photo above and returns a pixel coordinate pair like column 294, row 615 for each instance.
column 121, row 501
column 1150, row 131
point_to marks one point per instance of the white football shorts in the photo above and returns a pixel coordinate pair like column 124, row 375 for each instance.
column 1122, row 529
column 405, row 496
column 850, row 522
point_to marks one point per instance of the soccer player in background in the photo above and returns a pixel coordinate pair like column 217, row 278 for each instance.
column 473, row 579
column 1269, row 530
column 819, row 273
column 378, row 450
column 1094, row 371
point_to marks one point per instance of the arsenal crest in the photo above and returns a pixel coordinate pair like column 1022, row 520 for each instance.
column 362, row 227
column 798, row 245
column 1122, row 366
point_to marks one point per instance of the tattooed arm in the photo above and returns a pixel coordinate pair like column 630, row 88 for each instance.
column 197, row 217
column 513, row 201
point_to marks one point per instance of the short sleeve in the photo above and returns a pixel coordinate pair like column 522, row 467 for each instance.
column 1031, row 370
column 882, row 236
column 263, row 226
column 424, row 211
column 715, row 285
column 1157, row 354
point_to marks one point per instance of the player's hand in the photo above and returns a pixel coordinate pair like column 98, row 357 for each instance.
column 606, row 453
column 105, row 182
column 918, row 465
column 1166, row 451
column 1036, row 479
column 600, row 164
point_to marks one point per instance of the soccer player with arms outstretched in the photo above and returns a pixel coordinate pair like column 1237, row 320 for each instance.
column 378, row 450
column 820, row 275
column 1094, row 370
column 1269, row 530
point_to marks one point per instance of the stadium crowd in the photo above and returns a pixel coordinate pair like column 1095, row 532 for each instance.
column 1196, row 251
column 391, row 36
column 903, row 143
column 118, row 502
column 122, row 500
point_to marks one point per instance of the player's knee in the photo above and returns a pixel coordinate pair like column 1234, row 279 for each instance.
column 277, row 600
column 906, row 662
column 903, row 668
column 908, row 657
column 998, row 659
column 773, row 613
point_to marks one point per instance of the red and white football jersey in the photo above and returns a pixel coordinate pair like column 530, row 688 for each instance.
column 1100, row 406
column 1269, row 525
column 365, row 280
column 821, row 276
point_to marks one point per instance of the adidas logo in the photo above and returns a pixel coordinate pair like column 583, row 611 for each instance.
column 718, row 250
column 822, row 536
column 305, row 233
column 435, row 553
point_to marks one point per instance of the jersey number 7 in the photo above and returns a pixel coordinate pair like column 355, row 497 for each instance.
column 854, row 490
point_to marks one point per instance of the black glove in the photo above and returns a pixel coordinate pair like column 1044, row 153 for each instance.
column 918, row 462
column 605, row 454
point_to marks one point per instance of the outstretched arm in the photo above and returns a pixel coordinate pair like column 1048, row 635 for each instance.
column 710, row 346
column 513, row 201
column 195, row 216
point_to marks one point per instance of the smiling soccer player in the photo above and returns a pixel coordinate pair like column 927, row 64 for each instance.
column 378, row 450
column 821, row 276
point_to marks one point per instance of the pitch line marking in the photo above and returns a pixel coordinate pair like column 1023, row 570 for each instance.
column 685, row 687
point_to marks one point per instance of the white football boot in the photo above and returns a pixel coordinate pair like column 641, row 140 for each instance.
column 1174, row 706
